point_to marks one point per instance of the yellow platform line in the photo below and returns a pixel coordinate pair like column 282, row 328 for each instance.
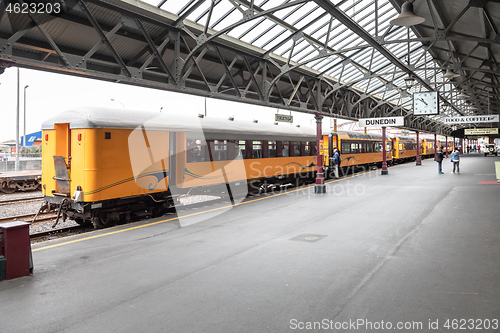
column 193, row 214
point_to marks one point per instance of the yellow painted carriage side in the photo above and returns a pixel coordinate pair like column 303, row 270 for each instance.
column 399, row 150
column 103, row 166
column 203, row 174
column 428, row 147
column 361, row 158
column 114, row 172
column 48, row 170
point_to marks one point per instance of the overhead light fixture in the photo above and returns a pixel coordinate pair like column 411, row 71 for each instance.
column 409, row 81
column 407, row 17
column 450, row 74
column 275, row 123
column 200, row 115
column 256, row 121
column 463, row 95
column 231, row 118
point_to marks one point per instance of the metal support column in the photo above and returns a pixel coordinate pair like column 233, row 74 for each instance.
column 17, row 122
column 320, row 186
column 419, row 159
column 435, row 146
column 384, row 153
column 446, row 147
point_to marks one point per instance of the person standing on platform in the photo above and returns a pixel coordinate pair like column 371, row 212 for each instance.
column 336, row 162
column 439, row 160
column 455, row 159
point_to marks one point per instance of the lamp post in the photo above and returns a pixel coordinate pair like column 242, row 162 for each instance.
column 17, row 122
column 24, row 141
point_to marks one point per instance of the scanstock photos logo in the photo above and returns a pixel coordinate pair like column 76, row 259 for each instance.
column 160, row 162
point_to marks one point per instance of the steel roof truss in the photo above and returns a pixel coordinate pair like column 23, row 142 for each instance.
column 103, row 37
column 154, row 50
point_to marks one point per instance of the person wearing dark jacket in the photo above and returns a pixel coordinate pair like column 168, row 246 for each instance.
column 455, row 158
column 439, row 160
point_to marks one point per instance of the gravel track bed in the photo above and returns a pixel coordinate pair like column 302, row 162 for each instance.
column 20, row 208
column 47, row 226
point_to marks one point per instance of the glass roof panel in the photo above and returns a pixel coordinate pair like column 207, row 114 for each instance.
column 275, row 32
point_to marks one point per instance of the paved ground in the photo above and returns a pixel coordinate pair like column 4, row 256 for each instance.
column 413, row 248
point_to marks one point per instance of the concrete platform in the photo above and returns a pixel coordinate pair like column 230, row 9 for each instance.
column 413, row 249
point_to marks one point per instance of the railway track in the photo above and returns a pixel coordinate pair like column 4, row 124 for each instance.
column 20, row 200
column 28, row 218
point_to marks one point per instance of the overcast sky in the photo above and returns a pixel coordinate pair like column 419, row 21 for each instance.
column 49, row 94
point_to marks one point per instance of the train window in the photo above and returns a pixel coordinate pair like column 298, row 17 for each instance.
column 279, row 149
column 218, row 148
column 378, row 147
column 285, row 149
column 307, row 149
column 311, row 146
column 107, row 135
column 196, row 150
column 272, row 149
column 257, row 149
column 265, row 149
column 242, row 148
column 355, row 148
column 346, row 147
column 295, row 147
column 302, row 149
column 232, row 149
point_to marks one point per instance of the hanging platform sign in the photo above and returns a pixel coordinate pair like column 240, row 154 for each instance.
column 481, row 131
column 381, row 122
column 283, row 118
column 472, row 119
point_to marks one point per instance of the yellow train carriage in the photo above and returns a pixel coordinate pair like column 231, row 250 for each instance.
column 106, row 166
column 428, row 148
column 405, row 149
column 446, row 146
column 356, row 148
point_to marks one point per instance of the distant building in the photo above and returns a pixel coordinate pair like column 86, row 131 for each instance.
column 33, row 139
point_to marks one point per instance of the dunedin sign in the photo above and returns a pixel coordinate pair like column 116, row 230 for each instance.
column 382, row 122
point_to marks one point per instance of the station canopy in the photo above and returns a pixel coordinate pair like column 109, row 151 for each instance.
column 345, row 58
column 454, row 51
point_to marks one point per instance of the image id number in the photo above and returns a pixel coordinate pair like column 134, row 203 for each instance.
column 33, row 8
column 471, row 324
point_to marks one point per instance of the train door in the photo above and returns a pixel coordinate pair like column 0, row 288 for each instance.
column 62, row 158
column 334, row 143
column 177, row 155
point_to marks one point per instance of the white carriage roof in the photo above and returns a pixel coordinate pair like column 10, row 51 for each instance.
column 212, row 128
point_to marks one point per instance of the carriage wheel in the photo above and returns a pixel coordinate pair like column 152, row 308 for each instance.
column 6, row 189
